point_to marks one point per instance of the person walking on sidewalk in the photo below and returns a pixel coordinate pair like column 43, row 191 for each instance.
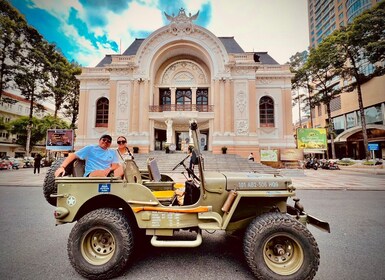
column 36, row 164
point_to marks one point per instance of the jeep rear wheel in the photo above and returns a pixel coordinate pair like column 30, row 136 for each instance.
column 278, row 247
column 49, row 185
column 100, row 244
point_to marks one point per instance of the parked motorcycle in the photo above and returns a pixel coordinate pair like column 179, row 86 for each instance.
column 311, row 163
column 329, row 164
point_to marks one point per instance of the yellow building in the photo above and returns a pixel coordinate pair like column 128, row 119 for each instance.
column 183, row 73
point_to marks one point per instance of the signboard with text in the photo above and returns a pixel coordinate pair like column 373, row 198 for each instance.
column 373, row 147
column 311, row 138
column 60, row 139
column 269, row 155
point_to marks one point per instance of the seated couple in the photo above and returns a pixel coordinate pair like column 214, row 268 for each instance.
column 101, row 161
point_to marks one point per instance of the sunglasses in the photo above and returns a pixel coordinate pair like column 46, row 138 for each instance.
column 121, row 142
column 106, row 140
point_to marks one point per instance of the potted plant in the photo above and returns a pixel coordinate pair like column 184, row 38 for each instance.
column 136, row 150
column 224, row 150
column 167, row 149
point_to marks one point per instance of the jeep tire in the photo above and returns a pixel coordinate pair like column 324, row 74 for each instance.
column 276, row 246
column 100, row 244
column 49, row 185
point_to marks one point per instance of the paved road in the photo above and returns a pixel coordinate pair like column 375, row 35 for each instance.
column 33, row 248
column 346, row 179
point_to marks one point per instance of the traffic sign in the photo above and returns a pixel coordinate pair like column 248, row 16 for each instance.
column 373, row 147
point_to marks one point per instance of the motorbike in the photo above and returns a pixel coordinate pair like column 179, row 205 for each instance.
column 311, row 163
column 329, row 164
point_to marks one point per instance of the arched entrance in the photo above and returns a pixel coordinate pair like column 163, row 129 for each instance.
column 350, row 144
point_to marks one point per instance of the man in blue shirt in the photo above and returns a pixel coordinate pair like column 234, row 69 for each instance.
column 100, row 160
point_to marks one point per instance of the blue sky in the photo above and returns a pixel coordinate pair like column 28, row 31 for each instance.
column 87, row 30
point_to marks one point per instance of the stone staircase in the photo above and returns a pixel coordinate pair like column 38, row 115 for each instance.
column 218, row 162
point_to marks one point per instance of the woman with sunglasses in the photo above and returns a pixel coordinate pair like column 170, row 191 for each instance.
column 123, row 151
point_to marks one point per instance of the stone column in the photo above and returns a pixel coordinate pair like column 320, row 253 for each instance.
column 169, row 131
column 135, row 107
column 194, row 95
column 173, row 97
column 228, row 108
column 217, row 105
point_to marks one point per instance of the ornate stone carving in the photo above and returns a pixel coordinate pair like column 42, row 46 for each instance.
column 122, row 127
column 242, row 127
column 241, row 101
column 184, row 71
column 181, row 23
column 123, row 101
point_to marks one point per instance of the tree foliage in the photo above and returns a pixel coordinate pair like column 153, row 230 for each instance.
column 39, row 129
column 12, row 25
column 355, row 53
column 36, row 68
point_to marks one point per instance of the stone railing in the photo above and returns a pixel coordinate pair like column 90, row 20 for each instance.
column 181, row 107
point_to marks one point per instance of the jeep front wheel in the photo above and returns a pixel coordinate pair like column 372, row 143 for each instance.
column 100, row 244
column 277, row 246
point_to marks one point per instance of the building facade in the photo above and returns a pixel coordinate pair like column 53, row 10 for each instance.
column 324, row 18
column 183, row 73
column 10, row 111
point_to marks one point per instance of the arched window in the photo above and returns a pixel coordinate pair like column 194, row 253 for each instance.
column 202, row 99
column 266, row 112
column 102, row 112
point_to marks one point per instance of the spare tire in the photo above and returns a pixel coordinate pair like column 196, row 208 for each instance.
column 49, row 186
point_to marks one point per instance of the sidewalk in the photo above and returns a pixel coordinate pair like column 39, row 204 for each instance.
column 344, row 179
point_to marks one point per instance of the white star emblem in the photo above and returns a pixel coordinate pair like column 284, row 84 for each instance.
column 71, row 200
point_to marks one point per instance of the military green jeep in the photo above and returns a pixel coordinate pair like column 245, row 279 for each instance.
column 114, row 213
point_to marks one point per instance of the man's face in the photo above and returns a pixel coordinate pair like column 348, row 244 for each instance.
column 104, row 143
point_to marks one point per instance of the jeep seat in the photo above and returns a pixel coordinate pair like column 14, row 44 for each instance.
column 163, row 191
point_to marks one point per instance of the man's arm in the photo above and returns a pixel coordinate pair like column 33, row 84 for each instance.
column 61, row 170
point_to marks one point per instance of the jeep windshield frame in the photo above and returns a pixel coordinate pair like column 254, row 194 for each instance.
column 197, row 150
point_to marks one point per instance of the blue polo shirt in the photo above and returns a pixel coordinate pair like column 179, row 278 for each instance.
column 97, row 158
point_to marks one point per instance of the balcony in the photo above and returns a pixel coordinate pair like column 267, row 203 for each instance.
column 181, row 107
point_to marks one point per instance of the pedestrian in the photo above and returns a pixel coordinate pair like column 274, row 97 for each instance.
column 36, row 164
column 251, row 157
column 123, row 151
column 100, row 160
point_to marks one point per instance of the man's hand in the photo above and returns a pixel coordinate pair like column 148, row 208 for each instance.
column 60, row 171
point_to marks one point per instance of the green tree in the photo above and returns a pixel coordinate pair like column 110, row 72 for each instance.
column 302, row 80
column 362, row 45
column 71, row 107
column 324, row 66
column 12, row 25
column 31, row 74
column 38, row 130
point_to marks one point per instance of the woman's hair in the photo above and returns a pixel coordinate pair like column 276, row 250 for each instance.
column 125, row 139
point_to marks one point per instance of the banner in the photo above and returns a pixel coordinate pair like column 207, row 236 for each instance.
column 311, row 138
column 60, row 139
column 291, row 154
column 269, row 155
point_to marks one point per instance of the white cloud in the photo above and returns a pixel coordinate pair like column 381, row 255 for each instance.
column 277, row 26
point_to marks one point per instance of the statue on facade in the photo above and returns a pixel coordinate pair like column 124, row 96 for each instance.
column 181, row 23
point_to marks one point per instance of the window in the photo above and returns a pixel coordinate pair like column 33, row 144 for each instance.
column 165, row 99
column 183, row 99
column 373, row 115
column 102, row 112
column 351, row 120
column 202, row 99
column 339, row 124
column 266, row 112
